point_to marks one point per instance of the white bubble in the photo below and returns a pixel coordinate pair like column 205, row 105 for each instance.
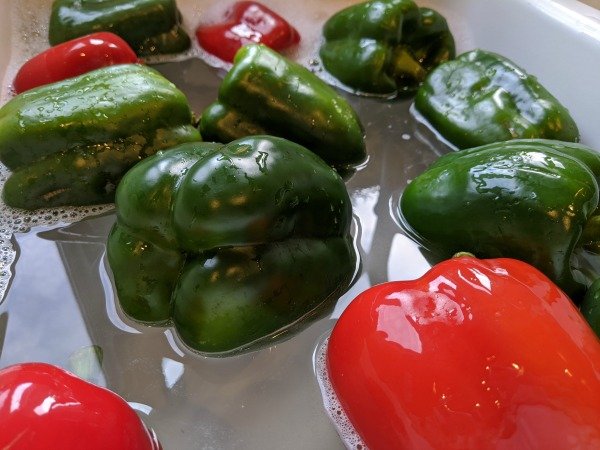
column 334, row 409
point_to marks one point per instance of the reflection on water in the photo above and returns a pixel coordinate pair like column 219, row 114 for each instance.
column 40, row 318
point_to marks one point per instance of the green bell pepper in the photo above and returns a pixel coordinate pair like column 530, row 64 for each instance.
column 264, row 93
column 385, row 47
column 69, row 143
column 590, row 306
column 236, row 244
column 149, row 26
column 481, row 97
column 524, row 199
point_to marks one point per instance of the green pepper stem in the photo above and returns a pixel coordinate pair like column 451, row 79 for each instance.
column 406, row 66
column 463, row 254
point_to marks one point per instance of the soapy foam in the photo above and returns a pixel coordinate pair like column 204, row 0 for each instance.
column 334, row 409
column 13, row 220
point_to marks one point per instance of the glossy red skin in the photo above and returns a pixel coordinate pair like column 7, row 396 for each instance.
column 244, row 23
column 73, row 58
column 481, row 354
column 44, row 407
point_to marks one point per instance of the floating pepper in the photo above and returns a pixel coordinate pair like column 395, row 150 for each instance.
column 245, row 23
column 481, row 97
column 43, row 406
column 72, row 58
column 69, row 143
column 264, row 93
column 149, row 26
column 524, row 199
column 475, row 354
column 237, row 243
column 385, row 47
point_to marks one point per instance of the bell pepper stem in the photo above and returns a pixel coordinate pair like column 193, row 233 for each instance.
column 406, row 66
column 463, row 254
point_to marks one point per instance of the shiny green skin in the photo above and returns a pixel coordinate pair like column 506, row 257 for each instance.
column 264, row 93
column 481, row 97
column 524, row 199
column 69, row 143
column 149, row 26
column 385, row 47
column 235, row 243
column 260, row 291
column 590, row 306
column 145, row 275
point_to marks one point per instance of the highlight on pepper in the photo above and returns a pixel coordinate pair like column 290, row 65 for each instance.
column 237, row 244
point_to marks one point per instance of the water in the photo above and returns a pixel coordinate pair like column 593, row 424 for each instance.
column 254, row 400
column 61, row 307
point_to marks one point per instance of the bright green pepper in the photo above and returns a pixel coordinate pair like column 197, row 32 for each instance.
column 264, row 93
column 524, row 199
column 237, row 243
column 481, row 97
column 149, row 26
column 385, row 47
column 70, row 142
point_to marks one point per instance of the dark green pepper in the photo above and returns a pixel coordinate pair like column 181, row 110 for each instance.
column 385, row 47
column 264, row 93
column 70, row 142
column 524, row 199
column 590, row 306
column 481, row 97
column 237, row 243
column 149, row 26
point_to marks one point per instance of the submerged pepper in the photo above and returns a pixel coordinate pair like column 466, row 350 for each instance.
column 385, row 47
column 246, row 22
column 69, row 143
column 524, row 199
column 264, row 93
column 237, row 243
column 149, row 26
column 481, row 97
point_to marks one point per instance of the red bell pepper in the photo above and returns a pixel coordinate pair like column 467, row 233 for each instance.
column 475, row 354
column 73, row 58
column 245, row 23
column 45, row 407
